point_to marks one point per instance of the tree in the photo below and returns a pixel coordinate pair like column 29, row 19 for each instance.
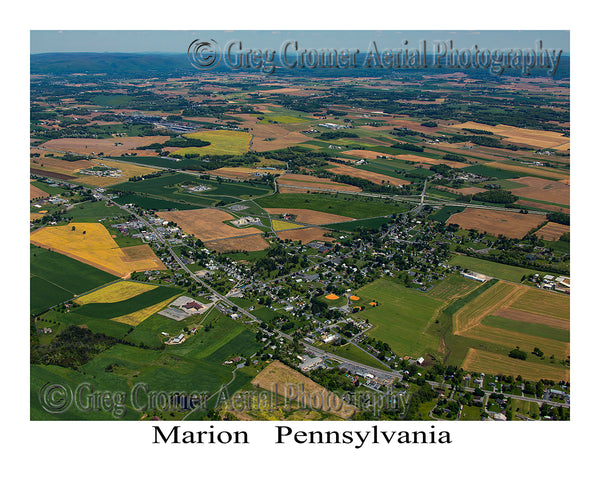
column 518, row 354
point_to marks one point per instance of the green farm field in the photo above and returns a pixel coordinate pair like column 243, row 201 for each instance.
column 453, row 286
column 401, row 317
column 56, row 278
column 346, row 205
column 493, row 269
column 92, row 211
column 530, row 329
column 116, row 309
column 170, row 188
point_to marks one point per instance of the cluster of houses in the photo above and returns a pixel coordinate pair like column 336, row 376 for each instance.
column 550, row 282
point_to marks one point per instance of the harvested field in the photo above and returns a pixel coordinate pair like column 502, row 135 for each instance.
column 58, row 165
column 552, row 231
column 206, row 223
column 35, row 216
column 241, row 173
column 498, row 296
column 545, row 190
column 509, row 224
column 457, row 149
column 461, row 191
column 310, row 182
column 305, row 235
column 408, row 157
column 544, row 172
column 544, row 206
column 366, row 154
column 311, row 217
column 222, row 142
column 47, row 173
column 293, row 190
column 106, row 146
column 480, row 361
column 377, row 178
column 289, row 383
column 296, row 92
column 525, row 342
column 530, row 317
column 541, row 302
column 127, row 170
column 402, row 122
column 96, row 248
column 36, row 193
column 429, row 161
column 115, row 292
column 250, row 243
column 523, row 136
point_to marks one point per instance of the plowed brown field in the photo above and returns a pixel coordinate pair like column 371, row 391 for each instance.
column 509, row 224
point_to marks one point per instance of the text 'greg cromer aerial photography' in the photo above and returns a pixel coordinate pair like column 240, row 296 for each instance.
column 300, row 225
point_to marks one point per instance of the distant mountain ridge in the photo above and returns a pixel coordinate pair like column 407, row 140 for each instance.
column 162, row 65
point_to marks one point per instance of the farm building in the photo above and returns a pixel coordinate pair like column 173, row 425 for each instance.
column 475, row 276
column 240, row 222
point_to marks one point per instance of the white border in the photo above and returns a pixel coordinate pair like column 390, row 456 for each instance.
column 492, row 450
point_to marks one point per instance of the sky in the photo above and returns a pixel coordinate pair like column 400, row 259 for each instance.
column 163, row 41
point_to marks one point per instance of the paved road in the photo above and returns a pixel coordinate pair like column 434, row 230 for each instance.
column 311, row 349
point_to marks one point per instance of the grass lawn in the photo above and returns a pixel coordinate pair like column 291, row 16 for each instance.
column 470, row 413
column 493, row 269
column 352, row 352
column 92, row 211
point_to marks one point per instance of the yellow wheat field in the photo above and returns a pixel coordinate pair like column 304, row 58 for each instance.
column 127, row 170
column 115, row 292
column 280, row 225
column 535, row 138
column 97, row 248
column 135, row 318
